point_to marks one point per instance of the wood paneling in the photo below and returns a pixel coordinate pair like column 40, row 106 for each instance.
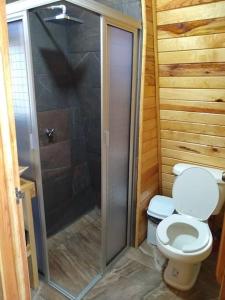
column 148, row 163
column 191, row 55
column 192, row 13
column 192, row 28
column 192, row 42
column 217, row 95
column 217, row 82
column 193, row 69
column 171, row 4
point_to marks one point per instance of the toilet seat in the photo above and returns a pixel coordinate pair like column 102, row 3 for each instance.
column 201, row 228
column 195, row 193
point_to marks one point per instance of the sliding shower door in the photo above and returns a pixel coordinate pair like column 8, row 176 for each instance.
column 118, row 132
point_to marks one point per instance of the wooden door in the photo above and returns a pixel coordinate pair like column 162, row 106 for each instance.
column 13, row 261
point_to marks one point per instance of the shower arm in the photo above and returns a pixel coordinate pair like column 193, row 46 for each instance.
column 61, row 6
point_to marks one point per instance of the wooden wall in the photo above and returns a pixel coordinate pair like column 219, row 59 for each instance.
column 148, row 167
column 191, row 55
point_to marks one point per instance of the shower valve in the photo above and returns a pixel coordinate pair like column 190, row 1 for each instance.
column 50, row 132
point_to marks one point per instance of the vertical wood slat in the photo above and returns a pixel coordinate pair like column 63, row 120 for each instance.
column 148, row 164
column 220, row 268
column 13, row 261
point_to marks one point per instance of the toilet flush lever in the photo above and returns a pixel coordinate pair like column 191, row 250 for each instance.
column 223, row 176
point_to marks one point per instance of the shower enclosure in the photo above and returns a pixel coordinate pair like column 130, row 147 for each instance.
column 74, row 78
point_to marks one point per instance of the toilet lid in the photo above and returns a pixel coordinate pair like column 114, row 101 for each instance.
column 195, row 193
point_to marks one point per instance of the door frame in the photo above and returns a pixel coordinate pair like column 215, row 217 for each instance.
column 13, row 257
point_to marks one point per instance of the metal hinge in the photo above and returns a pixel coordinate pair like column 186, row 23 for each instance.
column 19, row 195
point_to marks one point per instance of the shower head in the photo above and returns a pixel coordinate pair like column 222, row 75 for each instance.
column 63, row 17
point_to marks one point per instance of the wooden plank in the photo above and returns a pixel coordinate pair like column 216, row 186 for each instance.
column 167, row 185
column 149, row 162
column 149, row 135
column 171, row 4
column 29, row 191
column 195, row 158
column 222, row 289
column 220, row 268
column 193, row 106
column 171, row 161
column 148, row 155
column 214, row 130
column 150, row 184
column 149, row 145
column 193, row 28
column 190, row 70
column 193, row 82
column 149, row 102
column 149, row 114
column 192, row 56
column 193, row 148
column 201, row 139
column 166, row 192
column 168, row 177
column 149, row 91
column 211, row 95
column 203, row 118
column 150, row 172
column 157, row 89
column 13, row 260
column 194, row 42
column 167, row 169
column 202, row 12
column 149, row 124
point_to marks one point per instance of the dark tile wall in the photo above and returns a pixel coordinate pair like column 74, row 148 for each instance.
column 130, row 8
column 84, row 57
column 67, row 86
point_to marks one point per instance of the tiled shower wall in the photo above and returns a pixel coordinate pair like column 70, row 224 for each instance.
column 84, row 58
column 130, row 8
column 67, row 86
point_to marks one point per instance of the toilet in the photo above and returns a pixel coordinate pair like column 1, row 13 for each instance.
column 185, row 238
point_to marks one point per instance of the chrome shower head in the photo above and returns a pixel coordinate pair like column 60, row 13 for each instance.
column 63, row 17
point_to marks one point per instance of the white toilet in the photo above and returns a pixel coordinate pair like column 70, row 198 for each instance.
column 185, row 238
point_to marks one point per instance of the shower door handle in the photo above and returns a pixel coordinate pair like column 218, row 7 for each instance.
column 106, row 137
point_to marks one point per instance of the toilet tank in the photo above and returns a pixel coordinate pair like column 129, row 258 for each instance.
column 178, row 169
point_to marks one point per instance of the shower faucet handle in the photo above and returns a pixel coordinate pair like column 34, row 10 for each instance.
column 50, row 132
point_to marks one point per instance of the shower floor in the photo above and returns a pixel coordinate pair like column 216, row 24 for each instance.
column 74, row 253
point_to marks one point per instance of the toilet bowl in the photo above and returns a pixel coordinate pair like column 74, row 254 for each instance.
column 185, row 238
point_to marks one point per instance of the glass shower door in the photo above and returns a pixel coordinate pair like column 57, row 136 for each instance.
column 118, row 136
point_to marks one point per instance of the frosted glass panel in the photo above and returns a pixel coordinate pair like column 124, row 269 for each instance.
column 20, row 93
column 120, row 45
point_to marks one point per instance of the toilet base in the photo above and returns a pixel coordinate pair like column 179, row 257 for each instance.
column 180, row 275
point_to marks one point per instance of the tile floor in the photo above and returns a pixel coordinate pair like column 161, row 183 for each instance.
column 137, row 276
column 74, row 253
